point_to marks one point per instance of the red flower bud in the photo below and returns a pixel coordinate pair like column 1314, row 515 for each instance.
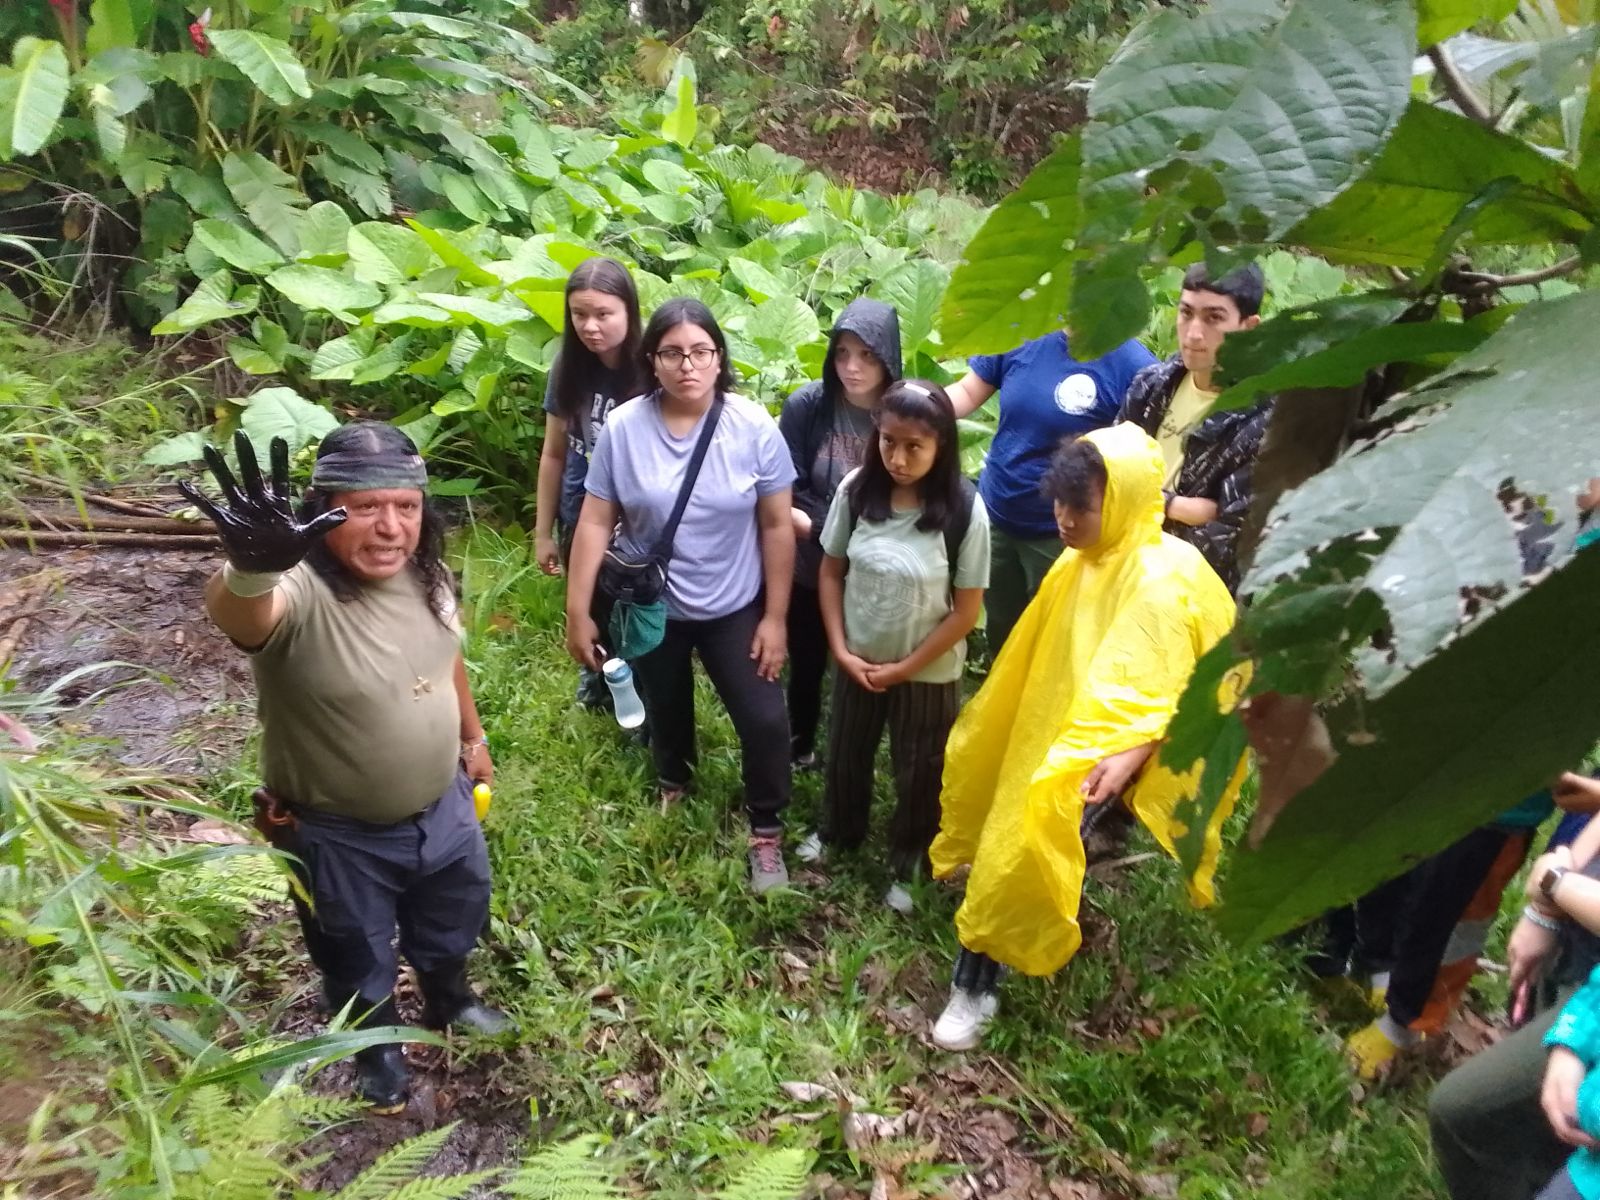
column 197, row 35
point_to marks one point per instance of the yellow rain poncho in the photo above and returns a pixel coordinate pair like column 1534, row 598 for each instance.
column 1095, row 666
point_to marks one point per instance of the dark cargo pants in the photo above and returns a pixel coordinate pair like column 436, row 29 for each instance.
column 427, row 875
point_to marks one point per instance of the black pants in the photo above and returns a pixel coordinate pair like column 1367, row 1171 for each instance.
column 755, row 704
column 428, row 875
column 919, row 716
column 808, row 663
column 1404, row 926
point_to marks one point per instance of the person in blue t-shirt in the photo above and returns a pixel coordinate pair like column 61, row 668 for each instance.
column 1046, row 396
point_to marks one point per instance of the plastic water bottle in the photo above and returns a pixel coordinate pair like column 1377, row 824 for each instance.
column 624, row 696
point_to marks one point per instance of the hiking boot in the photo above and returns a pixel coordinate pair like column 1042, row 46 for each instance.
column 449, row 1001
column 767, row 869
column 811, row 851
column 1105, row 828
column 382, row 1079
column 592, row 694
column 960, row 1026
column 899, row 899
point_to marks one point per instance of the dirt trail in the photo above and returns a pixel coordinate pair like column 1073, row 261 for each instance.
column 177, row 696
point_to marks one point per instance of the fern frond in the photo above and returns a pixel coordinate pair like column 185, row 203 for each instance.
column 772, row 1175
column 212, row 1117
column 439, row 1187
column 570, row 1171
column 396, row 1166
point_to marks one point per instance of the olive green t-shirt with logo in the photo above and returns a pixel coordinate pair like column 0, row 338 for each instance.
column 897, row 588
column 357, row 698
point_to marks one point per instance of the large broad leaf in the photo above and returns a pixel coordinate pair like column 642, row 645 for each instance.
column 213, row 300
column 323, row 289
column 32, row 96
column 680, row 123
column 237, row 247
column 368, row 191
column 1243, row 118
column 324, row 232
column 1333, row 343
column 1435, row 165
column 268, row 196
column 387, row 254
column 265, row 61
column 1439, row 19
column 283, row 412
column 783, row 323
column 1462, row 738
column 914, row 289
column 494, row 315
column 1438, row 485
column 114, row 24
column 1015, row 276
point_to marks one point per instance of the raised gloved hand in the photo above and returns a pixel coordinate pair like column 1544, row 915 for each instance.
column 259, row 530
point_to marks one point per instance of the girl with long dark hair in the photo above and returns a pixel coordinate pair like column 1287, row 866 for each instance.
column 596, row 369
column 828, row 425
column 730, row 567
column 906, row 549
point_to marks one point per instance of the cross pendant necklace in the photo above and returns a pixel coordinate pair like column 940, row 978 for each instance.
column 420, row 687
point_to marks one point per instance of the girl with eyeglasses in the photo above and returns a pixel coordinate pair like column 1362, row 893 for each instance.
column 731, row 565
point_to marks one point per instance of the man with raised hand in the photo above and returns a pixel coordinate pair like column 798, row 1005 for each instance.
column 370, row 740
column 1209, row 457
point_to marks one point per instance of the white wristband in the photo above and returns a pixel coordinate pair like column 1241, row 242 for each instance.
column 247, row 585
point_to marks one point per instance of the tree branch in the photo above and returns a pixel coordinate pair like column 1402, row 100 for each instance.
column 1478, row 281
column 1458, row 89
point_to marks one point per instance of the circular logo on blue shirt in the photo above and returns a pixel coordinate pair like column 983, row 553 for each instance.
column 1077, row 393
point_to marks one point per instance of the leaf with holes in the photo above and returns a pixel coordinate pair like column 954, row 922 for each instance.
column 1428, row 762
column 1015, row 276
column 265, row 61
column 1437, row 484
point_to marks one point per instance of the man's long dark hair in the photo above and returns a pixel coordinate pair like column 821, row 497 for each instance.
column 375, row 437
column 940, row 489
column 576, row 364
column 686, row 310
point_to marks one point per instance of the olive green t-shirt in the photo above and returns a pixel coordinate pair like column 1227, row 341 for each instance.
column 357, row 699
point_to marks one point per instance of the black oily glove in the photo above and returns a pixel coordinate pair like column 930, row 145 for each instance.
column 257, row 525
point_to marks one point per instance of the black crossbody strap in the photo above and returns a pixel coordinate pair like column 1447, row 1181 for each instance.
column 663, row 547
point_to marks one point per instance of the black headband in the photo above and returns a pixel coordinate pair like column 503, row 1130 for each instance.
column 362, row 471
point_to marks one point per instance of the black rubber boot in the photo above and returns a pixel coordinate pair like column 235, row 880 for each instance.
column 381, row 1076
column 448, row 1000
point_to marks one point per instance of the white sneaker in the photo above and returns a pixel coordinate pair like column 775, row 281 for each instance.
column 960, row 1026
column 899, row 899
column 811, row 850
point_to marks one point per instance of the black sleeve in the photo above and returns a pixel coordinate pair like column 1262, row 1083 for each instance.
column 794, row 423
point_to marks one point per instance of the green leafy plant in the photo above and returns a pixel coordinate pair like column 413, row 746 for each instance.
column 1388, row 578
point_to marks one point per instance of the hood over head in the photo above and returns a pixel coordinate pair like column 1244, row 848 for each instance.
column 1131, row 513
column 875, row 323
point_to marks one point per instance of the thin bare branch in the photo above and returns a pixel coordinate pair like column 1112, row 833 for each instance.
column 1458, row 89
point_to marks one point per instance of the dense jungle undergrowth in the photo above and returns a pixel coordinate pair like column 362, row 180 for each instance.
column 273, row 217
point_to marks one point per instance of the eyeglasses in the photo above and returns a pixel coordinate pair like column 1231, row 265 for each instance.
column 698, row 358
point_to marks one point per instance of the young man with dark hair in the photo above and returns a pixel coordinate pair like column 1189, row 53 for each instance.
column 1208, row 458
column 370, row 741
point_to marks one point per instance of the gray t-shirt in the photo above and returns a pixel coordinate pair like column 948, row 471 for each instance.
column 716, row 557
column 897, row 588
column 843, row 449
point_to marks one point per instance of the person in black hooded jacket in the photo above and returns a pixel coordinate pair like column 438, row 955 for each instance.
column 828, row 426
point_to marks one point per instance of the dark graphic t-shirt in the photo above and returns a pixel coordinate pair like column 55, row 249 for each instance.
column 581, row 436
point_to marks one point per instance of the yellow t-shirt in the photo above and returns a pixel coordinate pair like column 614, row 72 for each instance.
column 1189, row 405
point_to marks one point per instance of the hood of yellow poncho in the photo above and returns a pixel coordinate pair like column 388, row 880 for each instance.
column 1131, row 513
